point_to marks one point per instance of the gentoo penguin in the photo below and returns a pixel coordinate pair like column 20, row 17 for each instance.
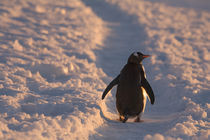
column 132, row 88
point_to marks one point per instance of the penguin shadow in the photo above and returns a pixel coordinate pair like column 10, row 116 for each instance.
column 110, row 115
column 105, row 118
column 107, row 110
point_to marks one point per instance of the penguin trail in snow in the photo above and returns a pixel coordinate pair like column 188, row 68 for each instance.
column 132, row 89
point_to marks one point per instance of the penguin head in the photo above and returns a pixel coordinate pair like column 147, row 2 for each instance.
column 137, row 57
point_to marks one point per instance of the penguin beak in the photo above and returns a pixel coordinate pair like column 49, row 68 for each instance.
column 145, row 56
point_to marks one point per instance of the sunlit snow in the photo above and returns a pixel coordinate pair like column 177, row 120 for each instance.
column 57, row 57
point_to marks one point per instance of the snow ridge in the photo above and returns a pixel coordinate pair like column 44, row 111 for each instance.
column 49, row 83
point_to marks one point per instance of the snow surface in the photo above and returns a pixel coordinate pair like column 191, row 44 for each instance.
column 56, row 58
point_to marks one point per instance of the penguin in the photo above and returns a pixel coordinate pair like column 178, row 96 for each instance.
column 132, row 89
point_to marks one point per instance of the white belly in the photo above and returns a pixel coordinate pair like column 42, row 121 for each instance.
column 144, row 101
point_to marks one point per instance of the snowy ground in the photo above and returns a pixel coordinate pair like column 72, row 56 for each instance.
column 56, row 58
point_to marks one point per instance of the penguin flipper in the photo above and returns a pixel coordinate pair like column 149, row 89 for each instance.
column 149, row 90
column 110, row 86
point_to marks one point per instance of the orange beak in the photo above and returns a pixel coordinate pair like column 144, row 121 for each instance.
column 145, row 56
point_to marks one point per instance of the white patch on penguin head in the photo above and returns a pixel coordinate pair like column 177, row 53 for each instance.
column 135, row 54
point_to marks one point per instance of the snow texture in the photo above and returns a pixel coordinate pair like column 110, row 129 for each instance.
column 56, row 58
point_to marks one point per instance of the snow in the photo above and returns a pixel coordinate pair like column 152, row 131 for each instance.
column 56, row 58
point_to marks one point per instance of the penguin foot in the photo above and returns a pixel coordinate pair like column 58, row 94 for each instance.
column 120, row 118
column 137, row 119
column 123, row 118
